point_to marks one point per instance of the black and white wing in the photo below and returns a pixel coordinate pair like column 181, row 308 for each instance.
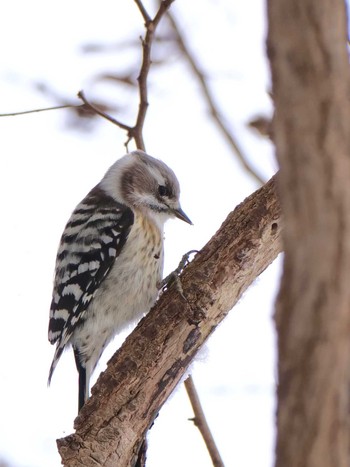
column 91, row 241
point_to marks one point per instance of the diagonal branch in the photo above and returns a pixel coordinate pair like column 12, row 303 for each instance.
column 143, row 11
column 144, row 371
column 101, row 113
column 209, row 98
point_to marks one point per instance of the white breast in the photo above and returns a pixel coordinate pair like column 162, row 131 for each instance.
column 128, row 292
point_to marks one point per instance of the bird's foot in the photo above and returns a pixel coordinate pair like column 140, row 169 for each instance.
column 173, row 277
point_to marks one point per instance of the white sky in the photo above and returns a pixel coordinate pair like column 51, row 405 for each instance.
column 47, row 167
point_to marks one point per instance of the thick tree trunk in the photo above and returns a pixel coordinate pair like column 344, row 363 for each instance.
column 310, row 70
column 143, row 373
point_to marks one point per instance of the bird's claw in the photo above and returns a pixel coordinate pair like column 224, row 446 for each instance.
column 173, row 277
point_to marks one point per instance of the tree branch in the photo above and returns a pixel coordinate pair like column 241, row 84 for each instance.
column 136, row 132
column 145, row 370
column 201, row 423
column 147, row 42
column 25, row 112
column 143, row 11
column 103, row 114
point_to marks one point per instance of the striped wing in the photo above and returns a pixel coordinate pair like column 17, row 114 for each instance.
column 92, row 240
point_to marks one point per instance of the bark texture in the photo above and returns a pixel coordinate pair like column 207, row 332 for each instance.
column 310, row 70
column 143, row 373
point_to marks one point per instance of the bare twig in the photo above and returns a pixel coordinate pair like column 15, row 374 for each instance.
column 151, row 26
column 24, row 112
column 135, row 132
column 201, row 423
column 209, row 97
column 143, row 11
column 103, row 114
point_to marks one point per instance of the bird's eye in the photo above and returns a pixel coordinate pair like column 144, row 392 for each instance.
column 163, row 190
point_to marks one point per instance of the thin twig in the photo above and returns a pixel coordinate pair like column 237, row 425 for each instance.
column 103, row 114
column 209, row 97
column 201, row 423
column 24, row 112
column 143, row 11
column 135, row 132
column 147, row 42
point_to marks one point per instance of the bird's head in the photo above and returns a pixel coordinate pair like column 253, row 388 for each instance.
column 145, row 184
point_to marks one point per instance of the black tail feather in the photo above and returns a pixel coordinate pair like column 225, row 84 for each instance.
column 83, row 383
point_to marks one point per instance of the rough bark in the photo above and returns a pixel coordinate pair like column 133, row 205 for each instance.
column 310, row 71
column 143, row 373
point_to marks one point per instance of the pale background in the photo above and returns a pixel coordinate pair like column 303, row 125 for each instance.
column 47, row 166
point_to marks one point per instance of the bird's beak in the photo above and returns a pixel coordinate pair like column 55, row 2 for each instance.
column 181, row 215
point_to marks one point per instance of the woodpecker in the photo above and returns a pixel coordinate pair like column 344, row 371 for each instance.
column 109, row 263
